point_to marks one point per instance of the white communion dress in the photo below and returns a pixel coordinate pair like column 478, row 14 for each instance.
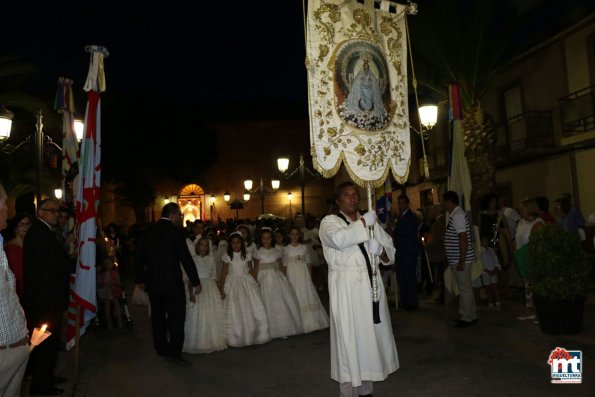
column 279, row 298
column 296, row 259
column 204, row 330
column 246, row 320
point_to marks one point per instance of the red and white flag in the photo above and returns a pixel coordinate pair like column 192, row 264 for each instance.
column 88, row 198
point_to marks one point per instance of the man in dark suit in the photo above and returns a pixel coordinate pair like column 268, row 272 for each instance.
column 407, row 245
column 161, row 250
column 46, row 285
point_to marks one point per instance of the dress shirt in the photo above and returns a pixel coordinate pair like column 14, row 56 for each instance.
column 13, row 326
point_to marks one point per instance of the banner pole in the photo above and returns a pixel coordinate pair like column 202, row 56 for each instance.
column 77, row 339
column 375, row 299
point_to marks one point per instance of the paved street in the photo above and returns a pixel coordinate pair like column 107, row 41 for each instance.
column 500, row 356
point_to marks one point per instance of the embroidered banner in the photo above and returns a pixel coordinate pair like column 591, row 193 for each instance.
column 357, row 81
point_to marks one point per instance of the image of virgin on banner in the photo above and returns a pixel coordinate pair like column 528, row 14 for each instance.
column 362, row 95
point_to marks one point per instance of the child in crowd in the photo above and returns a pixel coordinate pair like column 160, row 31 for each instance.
column 247, row 236
column 204, row 327
column 278, row 295
column 109, row 290
column 280, row 239
column 297, row 262
column 246, row 319
column 489, row 276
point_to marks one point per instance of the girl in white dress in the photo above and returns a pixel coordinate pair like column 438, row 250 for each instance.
column 297, row 262
column 278, row 295
column 246, row 319
column 250, row 245
column 204, row 327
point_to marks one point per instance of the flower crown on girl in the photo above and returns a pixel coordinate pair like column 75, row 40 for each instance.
column 236, row 233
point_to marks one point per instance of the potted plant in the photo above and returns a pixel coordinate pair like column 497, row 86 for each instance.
column 559, row 272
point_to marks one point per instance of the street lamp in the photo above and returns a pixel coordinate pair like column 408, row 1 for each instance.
column 283, row 165
column 42, row 142
column 236, row 204
column 428, row 115
column 261, row 189
column 5, row 122
column 79, row 128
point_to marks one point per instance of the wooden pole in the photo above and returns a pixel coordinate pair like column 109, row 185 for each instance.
column 77, row 339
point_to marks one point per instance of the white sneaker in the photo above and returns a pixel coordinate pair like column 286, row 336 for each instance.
column 498, row 307
column 490, row 306
column 528, row 317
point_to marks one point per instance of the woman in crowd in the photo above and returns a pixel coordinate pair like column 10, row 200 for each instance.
column 14, row 248
column 530, row 223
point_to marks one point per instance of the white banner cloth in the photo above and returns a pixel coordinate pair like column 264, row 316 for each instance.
column 357, row 81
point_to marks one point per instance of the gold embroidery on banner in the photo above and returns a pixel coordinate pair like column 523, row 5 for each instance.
column 373, row 150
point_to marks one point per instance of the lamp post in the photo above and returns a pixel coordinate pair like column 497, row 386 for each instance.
column 262, row 190
column 301, row 169
column 42, row 143
column 236, row 204
column 212, row 200
column 428, row 115
column 289, row 197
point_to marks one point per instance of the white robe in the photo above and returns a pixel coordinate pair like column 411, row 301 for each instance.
column 360, row 349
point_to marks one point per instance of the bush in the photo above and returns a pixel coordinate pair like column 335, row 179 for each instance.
column 557, row 265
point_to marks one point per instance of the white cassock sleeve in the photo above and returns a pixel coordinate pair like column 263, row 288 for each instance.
column 336, row 234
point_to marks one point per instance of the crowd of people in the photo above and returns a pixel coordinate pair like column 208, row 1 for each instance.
column 242, row 282
column 495, row 239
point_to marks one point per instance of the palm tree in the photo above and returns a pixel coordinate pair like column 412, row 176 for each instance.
column 471, row 42
column 468, row 42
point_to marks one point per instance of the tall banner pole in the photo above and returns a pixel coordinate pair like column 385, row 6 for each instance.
column 77, row 339
column 375, row 299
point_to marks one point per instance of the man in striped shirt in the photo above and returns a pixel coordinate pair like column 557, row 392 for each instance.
column 460, row 254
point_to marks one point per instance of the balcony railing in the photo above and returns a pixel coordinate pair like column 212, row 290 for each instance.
column 577, row 111
column 524, row 133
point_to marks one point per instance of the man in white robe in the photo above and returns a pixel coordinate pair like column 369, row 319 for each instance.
column 361, row 352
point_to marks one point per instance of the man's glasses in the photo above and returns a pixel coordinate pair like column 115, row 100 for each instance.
column 51, row 210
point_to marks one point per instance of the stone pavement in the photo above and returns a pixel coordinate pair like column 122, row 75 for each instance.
column 500, row 356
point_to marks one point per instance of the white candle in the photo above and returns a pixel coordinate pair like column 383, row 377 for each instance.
column 43, row 328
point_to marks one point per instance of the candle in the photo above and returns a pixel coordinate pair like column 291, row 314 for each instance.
column 423, row 240
column 43, row 328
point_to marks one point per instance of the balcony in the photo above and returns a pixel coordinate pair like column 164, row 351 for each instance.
column 577, row 112
column 524, row 135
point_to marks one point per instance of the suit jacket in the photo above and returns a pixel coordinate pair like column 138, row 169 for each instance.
column 405, row 235
column 46, row 269
column 162, row 248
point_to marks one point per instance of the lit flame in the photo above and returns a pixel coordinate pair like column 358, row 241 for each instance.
column 43, row 328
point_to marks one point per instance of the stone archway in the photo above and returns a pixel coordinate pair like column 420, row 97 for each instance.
column 191, row 201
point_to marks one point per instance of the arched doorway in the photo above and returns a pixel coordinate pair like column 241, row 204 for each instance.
column 190, row 200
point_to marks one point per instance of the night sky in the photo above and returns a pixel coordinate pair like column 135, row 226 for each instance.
column 199, row 51
column 176, row 66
